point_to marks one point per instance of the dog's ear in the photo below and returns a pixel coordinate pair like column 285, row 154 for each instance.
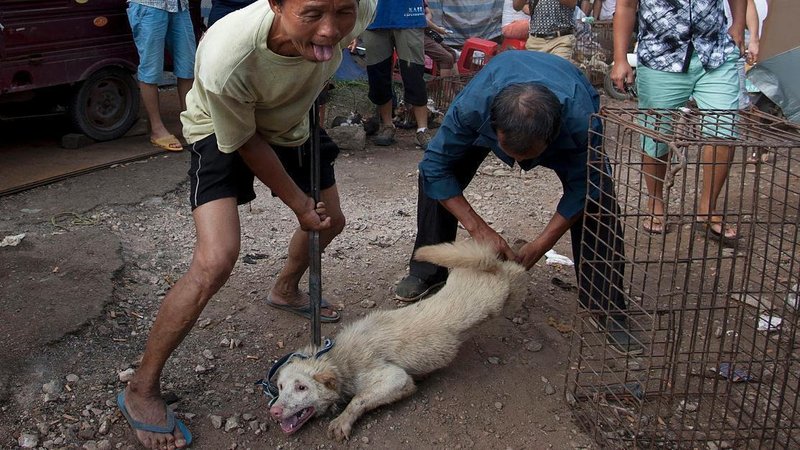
column 327, row 378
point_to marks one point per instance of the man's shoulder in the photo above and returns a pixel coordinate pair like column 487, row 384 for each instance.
column 526, row 63
column 230, row 43
column 366, row 12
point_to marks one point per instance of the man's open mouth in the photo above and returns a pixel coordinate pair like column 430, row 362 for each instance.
column 322, row 52
column 294, row 422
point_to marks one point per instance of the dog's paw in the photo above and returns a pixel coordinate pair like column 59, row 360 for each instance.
column 339, row 429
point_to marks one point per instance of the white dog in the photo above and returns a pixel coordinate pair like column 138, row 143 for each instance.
column 374, row 359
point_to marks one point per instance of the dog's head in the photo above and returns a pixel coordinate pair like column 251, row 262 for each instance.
column 306, row 387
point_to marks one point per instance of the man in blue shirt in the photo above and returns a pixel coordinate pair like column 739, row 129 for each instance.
column 534, row 109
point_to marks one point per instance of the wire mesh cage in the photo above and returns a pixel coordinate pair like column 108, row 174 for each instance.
column 593, row 52
column 717, row 322
column 442, row 90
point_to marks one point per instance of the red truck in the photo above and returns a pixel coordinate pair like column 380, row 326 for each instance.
column 70, row 56
column 73, row 56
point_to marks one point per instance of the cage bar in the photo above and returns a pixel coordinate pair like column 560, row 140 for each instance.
column 593, row 52
column 442, row 90
column 718, row 322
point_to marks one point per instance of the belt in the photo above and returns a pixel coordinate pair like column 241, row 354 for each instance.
column 554, row 34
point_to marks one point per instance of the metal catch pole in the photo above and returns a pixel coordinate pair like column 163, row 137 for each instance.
column 314, row 251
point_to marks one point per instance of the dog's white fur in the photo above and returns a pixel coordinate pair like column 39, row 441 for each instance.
column 374, row 359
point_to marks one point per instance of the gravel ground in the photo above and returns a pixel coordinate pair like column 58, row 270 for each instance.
column 505, row 389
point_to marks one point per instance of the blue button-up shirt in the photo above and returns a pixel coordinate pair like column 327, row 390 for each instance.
column 468, row 125
column 667, row 29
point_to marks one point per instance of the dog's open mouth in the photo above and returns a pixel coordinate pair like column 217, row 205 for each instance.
column 294, row 422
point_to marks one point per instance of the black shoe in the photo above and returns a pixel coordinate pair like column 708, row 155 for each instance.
column 411, row 289
column 618, row 334
column 385, row 136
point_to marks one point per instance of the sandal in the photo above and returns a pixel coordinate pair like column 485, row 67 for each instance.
column 653, row 225
column 169, row 428
column 305, row 311
column 169, row 143
column 719, row 235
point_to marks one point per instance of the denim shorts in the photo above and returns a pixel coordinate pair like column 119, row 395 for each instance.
column 155, row 30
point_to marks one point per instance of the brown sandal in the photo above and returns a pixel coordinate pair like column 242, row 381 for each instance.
column 707, row 226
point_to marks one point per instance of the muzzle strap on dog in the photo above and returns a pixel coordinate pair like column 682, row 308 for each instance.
column 271, row 390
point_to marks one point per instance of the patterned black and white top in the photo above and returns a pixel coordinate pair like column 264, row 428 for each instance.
column 549, row 16
column 669, row 30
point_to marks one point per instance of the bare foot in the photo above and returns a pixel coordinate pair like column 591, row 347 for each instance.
column 653, row 225
column 167, row 141
column 299, row 299
column 715, row 224
column 761, row 156
column 151, row 410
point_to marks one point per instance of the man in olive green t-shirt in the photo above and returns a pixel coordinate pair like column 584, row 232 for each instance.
column 257, row 73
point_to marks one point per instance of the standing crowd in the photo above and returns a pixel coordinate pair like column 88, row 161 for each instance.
column 246, row 90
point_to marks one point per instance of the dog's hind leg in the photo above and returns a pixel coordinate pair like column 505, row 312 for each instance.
column 385, row 385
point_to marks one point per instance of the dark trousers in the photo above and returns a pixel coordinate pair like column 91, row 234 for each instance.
column 598, row 247
column 597, row 240
column 435, row 224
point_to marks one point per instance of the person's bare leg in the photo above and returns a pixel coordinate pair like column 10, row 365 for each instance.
column 445, row 72
column 716, row 165
column 184, row 85
column 152, row 107
column 385, row 113
column 654, row 171
column 597, row 6
column 215, row 254
column 421, row 115
column 322, row 109
column 286, row 290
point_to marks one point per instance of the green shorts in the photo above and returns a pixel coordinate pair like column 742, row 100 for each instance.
column 715, row 89
column 381, row 43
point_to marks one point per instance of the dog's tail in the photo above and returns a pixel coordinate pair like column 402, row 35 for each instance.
column 467, row 254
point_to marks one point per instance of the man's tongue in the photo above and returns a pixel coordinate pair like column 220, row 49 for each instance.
column 323, row 52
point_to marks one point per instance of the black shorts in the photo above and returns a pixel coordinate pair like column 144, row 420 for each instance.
column 214, row 175
column 380, row 82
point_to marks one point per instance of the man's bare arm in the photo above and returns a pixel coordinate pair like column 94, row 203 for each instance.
column 264, row 163
column 753, row 23
column 738, row 13
column 476, row 226
column 624, row 18
column 532, row 252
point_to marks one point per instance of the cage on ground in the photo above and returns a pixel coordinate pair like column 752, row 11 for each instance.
column 442, row 90
column 593, row 51
column 717, row 322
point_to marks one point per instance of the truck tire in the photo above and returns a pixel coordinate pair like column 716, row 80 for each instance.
column 106, row 105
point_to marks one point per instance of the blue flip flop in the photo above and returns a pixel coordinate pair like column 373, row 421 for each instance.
column 172, row 422
column 305, row 311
